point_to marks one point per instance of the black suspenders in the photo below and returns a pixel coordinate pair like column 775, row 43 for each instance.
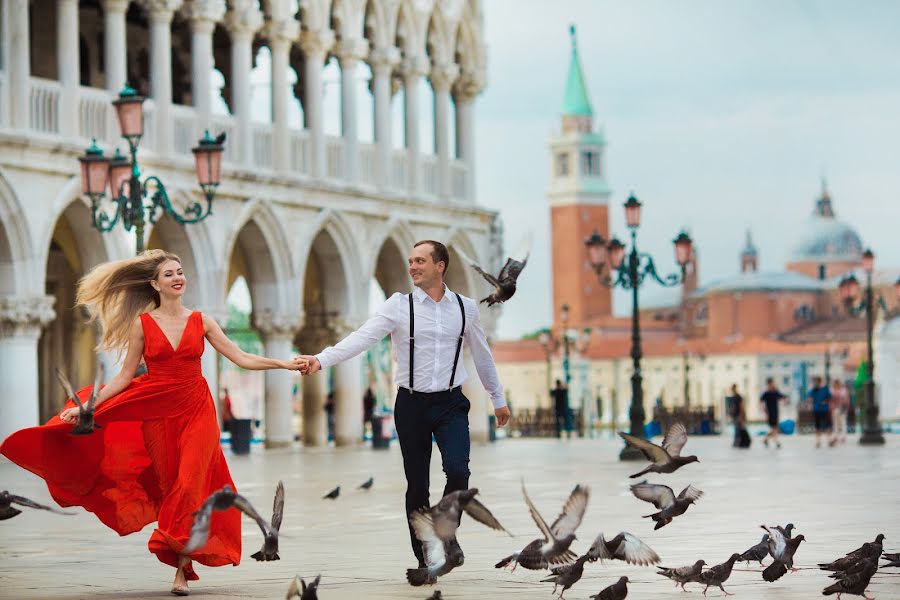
column 412, row 340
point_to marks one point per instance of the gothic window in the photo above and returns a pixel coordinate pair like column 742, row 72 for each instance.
column 804, row 313
column 562, row 164
column 590, row 163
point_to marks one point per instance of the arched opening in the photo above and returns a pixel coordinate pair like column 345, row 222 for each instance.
column 7, row 266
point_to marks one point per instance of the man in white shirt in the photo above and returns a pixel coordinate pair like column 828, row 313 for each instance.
column 428, row 329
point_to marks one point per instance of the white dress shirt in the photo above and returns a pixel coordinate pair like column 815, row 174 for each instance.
column 437, row 326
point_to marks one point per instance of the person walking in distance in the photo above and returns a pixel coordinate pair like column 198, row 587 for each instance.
column 560, row 394
column 771, row 399
column 819, row 398
column 840, row 403
column 738, row 413
column 428, row 328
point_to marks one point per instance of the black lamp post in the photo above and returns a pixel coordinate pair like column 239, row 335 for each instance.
column 630, row 274
column 550, row 343
column 130, row 197
column 849, row 290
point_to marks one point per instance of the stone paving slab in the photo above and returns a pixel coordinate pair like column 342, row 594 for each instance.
column 837, row 497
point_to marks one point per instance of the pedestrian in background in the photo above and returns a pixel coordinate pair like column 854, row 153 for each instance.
column 819, row 398
column 738, row 413
column 560, row 394
column 770, row 399
column 840, row 403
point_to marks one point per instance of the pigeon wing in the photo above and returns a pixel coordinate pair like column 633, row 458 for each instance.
column 67, row 388
column 278, row 507
column 637, row 552
column 98, row 378
column 660, row 496
column 651, row 451
column 676, row 438
column 690, row 493
column 480, row 513
column 22, row 501
column 294, row 588
column 572, row 513
column 243, row 505
column 598, row 550
column 523, row 249
column 777, row 543
column 200, row 527
column 538, row 519
column 433, row 546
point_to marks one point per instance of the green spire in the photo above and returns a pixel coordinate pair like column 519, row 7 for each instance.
column 576, row 101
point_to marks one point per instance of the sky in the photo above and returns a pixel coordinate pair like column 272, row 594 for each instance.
column 719, row 116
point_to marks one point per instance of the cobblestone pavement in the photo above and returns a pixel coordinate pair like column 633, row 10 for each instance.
column 837, row 497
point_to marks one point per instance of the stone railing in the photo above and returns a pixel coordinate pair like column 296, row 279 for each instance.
column 184, row 129
column 96, row 116
column 262, row 145
column 43, row 105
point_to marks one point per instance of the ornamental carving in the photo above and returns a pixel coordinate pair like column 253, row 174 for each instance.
column 17, row 315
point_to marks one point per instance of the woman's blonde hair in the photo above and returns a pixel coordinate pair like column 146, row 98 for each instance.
column 115, row 293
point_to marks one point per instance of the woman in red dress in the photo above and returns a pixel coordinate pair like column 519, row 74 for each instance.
column 156, row 456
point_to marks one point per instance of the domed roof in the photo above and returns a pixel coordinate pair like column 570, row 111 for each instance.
column 826, row 239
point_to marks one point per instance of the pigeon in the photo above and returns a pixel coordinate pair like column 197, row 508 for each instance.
column 221, row 500
column 85, row 424
column 683, row 575
column 269, row 551
column 782, row 550
column 567, row 575
column 868, row 550
column 305, row 591
column 553, row 549
column 436, row 529
column 663, row 498
column 757, row 552
column 786, row 530
column 617, row 591
column 855, row 583
column 666, row 458
column 893, row 559
column 8, row 512
column 718, row 574
column 333, row 494
column 625, row 547
column 504, row 283
column 857, row 567
column 367, row 485
column 435, row 596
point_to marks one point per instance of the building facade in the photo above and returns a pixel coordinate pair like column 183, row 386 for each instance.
column 308, row 219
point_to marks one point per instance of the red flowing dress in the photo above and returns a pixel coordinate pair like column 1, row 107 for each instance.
column 156, row 457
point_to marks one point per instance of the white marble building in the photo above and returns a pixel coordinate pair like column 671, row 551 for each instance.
column 308, row 219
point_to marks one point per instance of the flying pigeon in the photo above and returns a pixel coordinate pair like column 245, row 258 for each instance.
column 718, row 574
column 663, row 498
column 333, row 494
column 782, row 550
column 269, row 551
column 553, row 549
column 666, row 458
column 367, row 484
column 8, row 512
column 305, row 591
column 436, row 529
column 567, row 575
column 868, row 550
column 218, row 501
column 855, row 583
column 617, row 591
column 757, row 552
column 504, row 283
column 683, row 575
column 625, row 547
column 85, row 423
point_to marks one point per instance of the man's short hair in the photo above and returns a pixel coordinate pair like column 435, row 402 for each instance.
column 769, row 380
column 439, row 252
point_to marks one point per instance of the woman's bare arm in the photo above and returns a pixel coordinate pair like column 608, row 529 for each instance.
column 129, row 365
column 244, row 360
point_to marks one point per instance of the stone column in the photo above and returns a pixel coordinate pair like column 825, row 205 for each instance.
column 348, row 393
column 242, row 21
column 315, row 427
column 413, row 69
column 115, row 44
column 21, row 321
column 67, row 55
column 349, row 53
column 281, row 35
column 278, row 336
column 160, row 16
column 19, row 61
column 203, row 16
column 209, row 362
column 315, row 44
column 479, row 399
column 441, row 79
column 464, row 96
column 382, row 61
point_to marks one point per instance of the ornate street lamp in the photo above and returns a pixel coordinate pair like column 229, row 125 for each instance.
column 849, row 289
column 551, row 343
column 130, row 197
column 630, row 274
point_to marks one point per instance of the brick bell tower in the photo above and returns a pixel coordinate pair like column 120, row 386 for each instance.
column 578, row 197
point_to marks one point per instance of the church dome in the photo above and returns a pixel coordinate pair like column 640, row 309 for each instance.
column 824, row 238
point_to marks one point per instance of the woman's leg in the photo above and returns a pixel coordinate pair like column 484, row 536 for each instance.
column 180, row 585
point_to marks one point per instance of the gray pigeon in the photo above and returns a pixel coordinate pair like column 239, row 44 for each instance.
column 718, row 574
column 786, row 530
column 617, row 591
column 624, row 547
column 856, row 583
column 436, row 529
column 567, row 575
column 85, row 424
column 504, row 283
column 683, row 575
column 868, row 550
column 893, row 559
column 553, row 549
column 757, row 552
column 306, row 591
column 367, row 484
column 333, row 494
column 663, row 498
column 218, row 501
column 8, row 512
column 269, row 551
column 782, row 550
column 857, row 567
column 665, row 458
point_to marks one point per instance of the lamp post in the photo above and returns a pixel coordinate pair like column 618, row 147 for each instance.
column 551, row 343
column 849, row 290
column 630, row 274
column 129, row 196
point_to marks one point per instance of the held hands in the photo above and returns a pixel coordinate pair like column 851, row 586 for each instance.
column 298, row 363
column 502, row 415
column 311, row 364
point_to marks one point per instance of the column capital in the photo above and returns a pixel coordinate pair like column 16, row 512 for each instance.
column 204, row 14
column 316, row 43
column 243, row 18
column 413, row 67
column 283, row 30
column 160, row 11
column 272, row 324
column 443, row 76
column 467, row 86
column 384, row 58
column 351, row 50
column 115, row 6
column 19, row 315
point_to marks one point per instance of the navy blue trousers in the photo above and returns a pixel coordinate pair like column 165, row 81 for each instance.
column 417, row 416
